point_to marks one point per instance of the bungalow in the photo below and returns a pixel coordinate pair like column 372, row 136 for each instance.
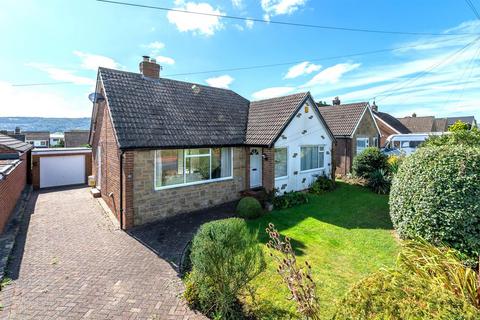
column 162, row 147
column 387, row 124
column 354, row 128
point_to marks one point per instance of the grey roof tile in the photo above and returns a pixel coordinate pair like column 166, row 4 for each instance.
column 14, row 144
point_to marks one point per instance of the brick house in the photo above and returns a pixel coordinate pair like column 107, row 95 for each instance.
column 388, row 125
column 163, row 147
column 76, row 138
column 354, row 128
column 14, row 174
column 39, row 139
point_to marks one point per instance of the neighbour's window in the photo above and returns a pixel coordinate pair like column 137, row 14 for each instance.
column 312, row 157
column 375, row 142
column 281, row 162
column 183, row 166
column 362, row 144
column 43, row 143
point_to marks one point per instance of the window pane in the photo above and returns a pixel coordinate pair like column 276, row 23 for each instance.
column 309, row 158
column 321, row 157
column 221, row 162
column 280, row 162
column 169, row 167
column 190, row 152
column 197, row 168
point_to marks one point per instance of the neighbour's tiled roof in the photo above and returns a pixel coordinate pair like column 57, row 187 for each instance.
column 152, row 113
column 267, row 118
column 36, row 135
column 468, row 119
column 440, row 125
column 418, row 124
column 342, row 119
column 392, row 122
column 14, row 144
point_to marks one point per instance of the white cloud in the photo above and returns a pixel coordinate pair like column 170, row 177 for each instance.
column 62, row 74
column 201, row 24
column 239, row 27
column 332, row 74
column 279, row 7
column 155, row 45
column 165, row 60
column 249, row 23
column 301, row 69
column 272, row 92
column 237, row 4
column 220, row 82
column 93, row 61
column 39, row 102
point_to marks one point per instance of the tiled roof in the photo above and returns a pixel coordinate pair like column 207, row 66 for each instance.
column 342, row 119
column 268, row 117
column 418, row 124
column 440, row 125
column 468, row 119
column 36, row 135
column 392, row 122
column 14, row 144
column 150, row 113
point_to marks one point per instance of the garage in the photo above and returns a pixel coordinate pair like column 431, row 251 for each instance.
column 60, row 167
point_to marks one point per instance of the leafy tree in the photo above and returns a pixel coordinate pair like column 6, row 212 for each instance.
column 459, row 126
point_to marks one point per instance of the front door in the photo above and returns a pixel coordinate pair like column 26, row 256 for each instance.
column 255, row 167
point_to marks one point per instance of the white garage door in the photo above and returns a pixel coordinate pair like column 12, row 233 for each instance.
column 62, row 171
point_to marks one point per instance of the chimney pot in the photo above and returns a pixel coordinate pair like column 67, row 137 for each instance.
column 374, row 107
column 336, row 101
column 149, row 68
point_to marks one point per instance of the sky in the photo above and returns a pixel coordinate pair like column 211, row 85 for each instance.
column 57, row 41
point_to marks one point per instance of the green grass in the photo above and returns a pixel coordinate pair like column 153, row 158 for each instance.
column 345, row 234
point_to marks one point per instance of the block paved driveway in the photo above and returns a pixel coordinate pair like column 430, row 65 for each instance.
column 70, row 262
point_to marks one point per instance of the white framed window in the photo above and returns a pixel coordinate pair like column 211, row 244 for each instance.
column 281, row 162
column 312, row 157
column 375, row 142
column 179, row 167
column 362, row 144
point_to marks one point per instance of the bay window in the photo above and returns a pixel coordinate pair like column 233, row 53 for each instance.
column 176, row 167
column 281, row 156
column 312, row 157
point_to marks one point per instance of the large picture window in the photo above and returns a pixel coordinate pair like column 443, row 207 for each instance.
column 312, row 157
column 187, row 166
column 281, row 162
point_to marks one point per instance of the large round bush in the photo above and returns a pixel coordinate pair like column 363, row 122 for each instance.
column 436, row 196
column 249, row 208
column 225, row 256
column 368, row 161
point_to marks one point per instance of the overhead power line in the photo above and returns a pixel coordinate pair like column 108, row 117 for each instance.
column 269, row 65
column 473, row 8
column 286, row 23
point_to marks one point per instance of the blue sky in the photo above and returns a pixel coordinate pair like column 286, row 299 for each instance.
column 58, row 40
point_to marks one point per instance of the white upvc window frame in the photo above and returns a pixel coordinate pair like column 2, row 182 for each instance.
column 313, row 145
column 282, row 177
column 185, row 184
column 375, row 142
column 367, row 144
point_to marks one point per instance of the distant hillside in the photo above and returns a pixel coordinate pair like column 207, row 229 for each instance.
column 44, row 124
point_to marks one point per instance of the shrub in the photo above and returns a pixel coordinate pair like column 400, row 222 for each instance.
column 321, row 185
column 368, row 161
column 379, row 181
column 249, row 208
column 459, row 126
column 225, row 257
column 462, row 137
column 394, row 163
column 426, row 283
column 435, row 195
column 290, row 199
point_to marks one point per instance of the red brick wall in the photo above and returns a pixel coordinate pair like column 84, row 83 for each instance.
column 104, row 137
column 385, row 132
column 10, row 190
column 268, row 167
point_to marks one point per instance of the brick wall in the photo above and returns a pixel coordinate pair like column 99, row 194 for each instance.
column 343, row 156
column 104, row 137
column 150, row 205
column 268, row 168
column 385, row 132
column 10, row 190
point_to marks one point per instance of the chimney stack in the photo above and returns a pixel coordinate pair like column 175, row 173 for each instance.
column 150, row 68
column 374, row 107
column 336, row 101
column 17, row 130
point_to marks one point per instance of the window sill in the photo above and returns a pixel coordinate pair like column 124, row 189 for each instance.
column 281, row 178
column 192, row 183
column 312, row 170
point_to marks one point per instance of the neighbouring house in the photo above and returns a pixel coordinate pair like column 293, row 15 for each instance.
column 57, row 139
column 354, row 128
column 14, row 174
column 76, row 138
column 387, row 124
column 39, row 139
column 16, row 134
column 163, row 147
column 469, row 120
column 426, row 124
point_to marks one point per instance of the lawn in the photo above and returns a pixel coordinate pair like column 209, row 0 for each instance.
column 345, row 234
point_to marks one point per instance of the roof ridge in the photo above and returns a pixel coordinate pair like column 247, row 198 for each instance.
column 303, row 93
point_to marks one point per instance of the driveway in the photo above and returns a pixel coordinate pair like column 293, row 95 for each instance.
column 70, row 262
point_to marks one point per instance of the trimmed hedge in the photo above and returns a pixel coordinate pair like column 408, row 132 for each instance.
column 249, row 208
column 436, row 196
column 368, row 161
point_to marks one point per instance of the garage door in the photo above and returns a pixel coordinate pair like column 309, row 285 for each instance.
column 62, row 171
